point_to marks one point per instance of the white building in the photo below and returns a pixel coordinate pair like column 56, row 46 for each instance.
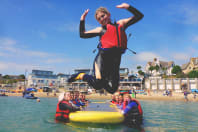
column 62, row 79
column 164, row 67
column 41, row 78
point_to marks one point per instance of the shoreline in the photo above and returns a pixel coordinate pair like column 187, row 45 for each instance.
column 97, row 96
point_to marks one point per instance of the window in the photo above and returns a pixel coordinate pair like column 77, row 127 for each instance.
column 196, row 61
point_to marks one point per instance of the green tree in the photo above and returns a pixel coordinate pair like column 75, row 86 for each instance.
column 164, row 70
column 141, row 72
column 139, row 67
column 6, row 77
column 181, row 75
column 11, row 81
column 176, row 70
column 22, row 76
column 151, row 68
column 157, row 67
column 193, row 74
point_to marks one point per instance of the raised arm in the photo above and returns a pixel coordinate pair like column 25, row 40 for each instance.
column 131, row 20
column 87, row 34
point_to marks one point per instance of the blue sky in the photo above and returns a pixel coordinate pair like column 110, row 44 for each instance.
column 43, row 34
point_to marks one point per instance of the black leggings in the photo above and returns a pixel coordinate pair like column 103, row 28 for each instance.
column 106, row 70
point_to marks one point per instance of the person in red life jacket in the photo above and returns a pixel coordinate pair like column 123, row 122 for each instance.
column 120, row 100
column 72, row 100
column 132, row 111
column 116, row 101
column 113, row 42
column 76, row 98
column 83, row 99
column 64, row 108
column 113, row 100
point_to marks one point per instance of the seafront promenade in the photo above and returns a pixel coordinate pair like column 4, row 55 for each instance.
column 96, row 96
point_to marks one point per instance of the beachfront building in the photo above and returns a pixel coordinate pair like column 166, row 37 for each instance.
column 157, row 67
column 79, row 84
column 62, row 79
column 41, row 78
column 11, row 82
column 127, row 81
column 192, row 65
column 87, row 71
column 173, row 84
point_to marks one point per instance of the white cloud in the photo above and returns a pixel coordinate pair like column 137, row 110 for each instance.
column 11, row 47
column 3, row 54
column 15, row 58
column 7, row 44
column 11, row 67
column 195, row 39
column 6, row 41
column 48, row 4
column 190, row 14
column 147, row 56
column 3, row 66
column 43, row 35
column 56, row 60
column 181, row 56
column 35, row 53
column 186, row 12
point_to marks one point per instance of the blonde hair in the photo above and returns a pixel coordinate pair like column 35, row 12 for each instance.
column 101, row 9
column 127, row 95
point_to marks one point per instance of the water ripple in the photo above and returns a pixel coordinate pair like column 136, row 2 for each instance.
column 22, row 115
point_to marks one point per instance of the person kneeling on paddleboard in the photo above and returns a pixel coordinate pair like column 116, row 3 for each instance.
column 64, row 108
column 113, row 43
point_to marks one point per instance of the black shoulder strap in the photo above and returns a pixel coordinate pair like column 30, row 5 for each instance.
column 117, row 32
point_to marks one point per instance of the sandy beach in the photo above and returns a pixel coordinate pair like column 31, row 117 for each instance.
column 152, row 96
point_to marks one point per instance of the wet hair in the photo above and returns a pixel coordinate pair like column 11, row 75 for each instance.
column 101, row 9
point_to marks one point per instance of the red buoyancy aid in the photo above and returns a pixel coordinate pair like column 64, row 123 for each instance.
column 125, row 103
column 113, row 101
column 74, row 101
column 112, row 35
column 62, row 114
column 139, row 106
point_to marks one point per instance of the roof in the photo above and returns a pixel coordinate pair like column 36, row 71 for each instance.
column 166, row 64
column 193, row 61
column 184, row 66
column 161, row 63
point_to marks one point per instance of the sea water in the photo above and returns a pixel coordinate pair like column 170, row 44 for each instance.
column 27, row 115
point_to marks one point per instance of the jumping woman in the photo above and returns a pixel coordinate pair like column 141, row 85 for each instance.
column 113, row 43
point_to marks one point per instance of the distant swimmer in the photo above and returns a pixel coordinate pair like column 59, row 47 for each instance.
column 113, row 43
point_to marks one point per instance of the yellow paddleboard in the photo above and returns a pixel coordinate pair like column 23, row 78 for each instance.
column 96, row 117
